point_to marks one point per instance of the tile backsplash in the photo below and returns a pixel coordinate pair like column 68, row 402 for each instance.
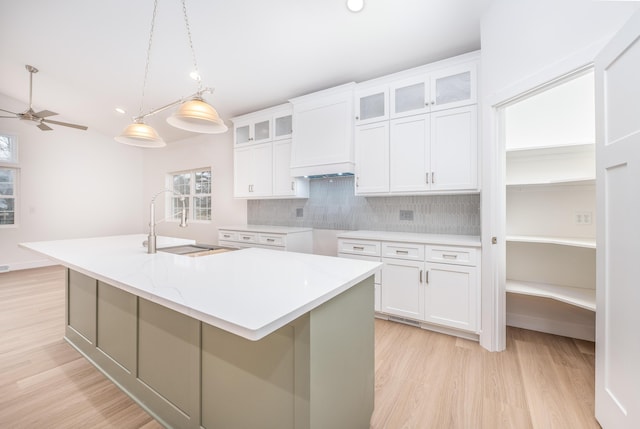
column 333, row 205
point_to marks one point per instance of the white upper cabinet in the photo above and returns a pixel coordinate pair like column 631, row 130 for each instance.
column 431, row 129
column 453, row 87
column 409, row 96
column 372, row 152
column 263, row 126
column 283, row 123
column 284, row 185
column 262, row 155
column 416, row 91
column 372, row 105
column 251, row 131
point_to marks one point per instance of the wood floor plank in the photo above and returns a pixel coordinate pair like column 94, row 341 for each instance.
column 423, row 379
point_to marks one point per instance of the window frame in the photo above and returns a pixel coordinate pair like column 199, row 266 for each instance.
column 171, row 208
column 13, row 165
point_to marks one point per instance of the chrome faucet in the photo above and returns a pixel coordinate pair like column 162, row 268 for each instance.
column 151, row 242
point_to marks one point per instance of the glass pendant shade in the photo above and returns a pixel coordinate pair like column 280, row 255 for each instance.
column 197, row 116
column 140, row 134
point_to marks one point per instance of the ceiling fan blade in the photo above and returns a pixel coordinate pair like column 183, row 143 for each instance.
column 44, row 113
column 13, row 113
column 43, row 127
column 65, row 124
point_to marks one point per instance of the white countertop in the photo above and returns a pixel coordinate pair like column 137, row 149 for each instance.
column 412, row 237
column 250, row 292
column 267, row 229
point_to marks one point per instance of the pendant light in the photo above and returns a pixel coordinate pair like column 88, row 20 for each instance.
column 193, row 115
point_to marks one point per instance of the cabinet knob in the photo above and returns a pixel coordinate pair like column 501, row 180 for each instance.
column 357, row 118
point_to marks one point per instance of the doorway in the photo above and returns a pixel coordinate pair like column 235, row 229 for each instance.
column 547, row 268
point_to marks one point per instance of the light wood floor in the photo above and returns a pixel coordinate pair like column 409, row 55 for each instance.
column 423, row 379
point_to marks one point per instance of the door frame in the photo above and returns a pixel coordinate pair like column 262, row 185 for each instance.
column 493, row 195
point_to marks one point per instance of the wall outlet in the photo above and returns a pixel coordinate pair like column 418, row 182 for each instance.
column 299, row 212
column 584, row 218
column 406, row 214
column 4, row 268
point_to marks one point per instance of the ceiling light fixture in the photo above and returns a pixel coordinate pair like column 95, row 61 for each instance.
column 194, row 114
column 355, row 5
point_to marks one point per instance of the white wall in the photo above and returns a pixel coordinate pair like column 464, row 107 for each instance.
column 525, row 43
column 205, row 150
column 72, row 184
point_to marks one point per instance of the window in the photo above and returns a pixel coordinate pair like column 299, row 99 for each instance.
column 9, row 172
column 195, row 185
column 8, row 149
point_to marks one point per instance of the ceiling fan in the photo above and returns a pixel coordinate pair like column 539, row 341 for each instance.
column 38, row 118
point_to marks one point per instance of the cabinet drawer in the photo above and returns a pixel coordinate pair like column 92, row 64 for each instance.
column 359, row 247
column 452, row 255
column 272, row 240
column 247, row 237
column 414, row 252
column 228, row 235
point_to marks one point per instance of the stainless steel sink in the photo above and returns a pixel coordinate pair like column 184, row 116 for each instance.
column 196, row 249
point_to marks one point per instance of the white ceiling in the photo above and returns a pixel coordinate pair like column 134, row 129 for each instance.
column 255, row 53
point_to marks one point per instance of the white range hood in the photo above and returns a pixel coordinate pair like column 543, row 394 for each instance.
column 323, row 133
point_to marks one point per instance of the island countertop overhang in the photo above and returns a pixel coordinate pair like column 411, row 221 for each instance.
column 250, row 292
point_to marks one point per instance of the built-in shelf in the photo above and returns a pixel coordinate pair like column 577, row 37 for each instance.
column 589, row 243
column 555, row 182
column 580, row 297
column 550, row 150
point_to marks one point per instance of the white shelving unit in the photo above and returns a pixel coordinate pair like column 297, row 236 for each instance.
column 551, row 239
column 580, row 297
column 550, row 208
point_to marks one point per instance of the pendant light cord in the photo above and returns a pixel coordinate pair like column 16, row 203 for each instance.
column 146, row 66
column 193, row 51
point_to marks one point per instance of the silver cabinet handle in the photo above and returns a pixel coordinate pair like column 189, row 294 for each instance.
column 226, row 236
column 427, row 277
column 292, row 185
column 246, row 238
column 270, row 240
column 426, row 177
column 420, row 276
column 357, row 181
column 402, row 252
column 447, row 256
column 358, row 248
column 433, row 177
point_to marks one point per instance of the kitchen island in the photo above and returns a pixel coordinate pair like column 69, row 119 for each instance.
column 245, row 339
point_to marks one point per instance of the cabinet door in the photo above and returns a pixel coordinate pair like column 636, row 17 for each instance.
column 402, row 289
column 372, row 105
column 372, row 158
column 451, row 296
column 453, row 87
column 242, row 172
column 409, row 154
column 283, row 183
column 262, row 130
column 253, row 170
column 242, row 133
column 409, row 97
column 454, row 143
column 282, row 126
column 262, row 184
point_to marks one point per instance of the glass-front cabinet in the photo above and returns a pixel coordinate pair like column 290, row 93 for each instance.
column 420, row 91
column 264, row 126
column 453, row 87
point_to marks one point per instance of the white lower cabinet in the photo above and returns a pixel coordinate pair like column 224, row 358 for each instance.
column 434, row 285
column 451, row 295
column 290, row 239
column 402, row 290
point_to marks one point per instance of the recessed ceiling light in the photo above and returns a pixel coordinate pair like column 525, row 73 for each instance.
column 121, row 110
column 355, row 5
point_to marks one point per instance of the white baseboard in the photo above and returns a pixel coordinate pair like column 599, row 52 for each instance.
column 556, row 327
